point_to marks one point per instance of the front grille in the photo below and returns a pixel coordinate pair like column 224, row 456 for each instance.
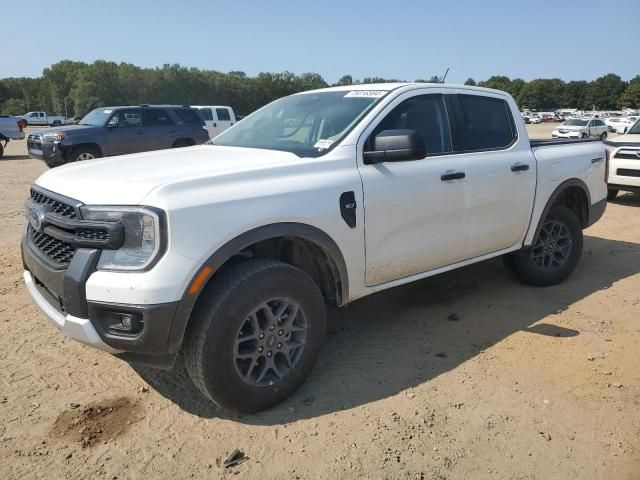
column 627, row 172
column 92, row 234
column 34, row 141
column 57, row 207
column 627, row 156
column 60, row 253
column 56, row 252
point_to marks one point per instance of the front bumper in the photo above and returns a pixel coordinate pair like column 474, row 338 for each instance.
column 155, row 337
column 573, row 135
column 40, row 149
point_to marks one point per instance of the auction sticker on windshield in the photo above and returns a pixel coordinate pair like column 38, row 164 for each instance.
column 366, row 93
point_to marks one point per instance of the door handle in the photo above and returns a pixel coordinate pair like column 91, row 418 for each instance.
column 171, row 131
column 452, row 176
column 139, row 132
column 596, row 160
column 215, row 125
column 519, row 167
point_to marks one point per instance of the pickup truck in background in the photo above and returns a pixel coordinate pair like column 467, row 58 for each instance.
column 110, row 131
column 228, row 252
column 11, row 128
column 38, row 119
column 216, row 118
column 624, row 169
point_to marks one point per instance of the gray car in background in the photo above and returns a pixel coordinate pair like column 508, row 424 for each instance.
column 109, row 131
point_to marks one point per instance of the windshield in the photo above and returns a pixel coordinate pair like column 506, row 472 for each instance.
column 576, row 123
column 97, row 117
column 635, row 128
column 307, row 125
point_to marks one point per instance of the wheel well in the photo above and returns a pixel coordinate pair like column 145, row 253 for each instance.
column 302, row 253
column 95, row 146
column 575, row 199
column 187, row 142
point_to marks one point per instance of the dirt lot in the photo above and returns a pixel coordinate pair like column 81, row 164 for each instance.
column 526, row 384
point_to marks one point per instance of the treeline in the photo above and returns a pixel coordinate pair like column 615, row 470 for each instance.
column 74, row 88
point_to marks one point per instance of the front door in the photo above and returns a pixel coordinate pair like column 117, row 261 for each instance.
column 415, row 217
column 125, row 132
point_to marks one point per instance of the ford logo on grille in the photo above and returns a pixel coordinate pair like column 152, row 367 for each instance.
column 37, row 218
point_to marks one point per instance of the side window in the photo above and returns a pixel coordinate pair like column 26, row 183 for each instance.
column 127, row 118
column 34, row 114
column 206, row 113
column 482, row 123
column 41, row 114
column 188, row 116
column 223, row 114
column 427, row 115
column 157, row 117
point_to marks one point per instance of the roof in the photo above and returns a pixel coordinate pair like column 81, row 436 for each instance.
column 387, row 87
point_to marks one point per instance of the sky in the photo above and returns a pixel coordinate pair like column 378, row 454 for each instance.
column 406, row 39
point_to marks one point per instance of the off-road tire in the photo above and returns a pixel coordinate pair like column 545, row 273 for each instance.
column 529, row 271
column 220, row 313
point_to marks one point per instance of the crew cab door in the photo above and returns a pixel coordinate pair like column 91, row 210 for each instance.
column 125, row 132
column 501, row 171
column 225, row 119
column 415, row 218
column 210, row 121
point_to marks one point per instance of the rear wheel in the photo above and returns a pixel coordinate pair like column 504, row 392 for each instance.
column 612, row 193
column 555, row 252
column 603, row 136
column 255, row 335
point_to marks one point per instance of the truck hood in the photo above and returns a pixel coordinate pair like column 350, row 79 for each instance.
column 68, row 129
column 128, row 179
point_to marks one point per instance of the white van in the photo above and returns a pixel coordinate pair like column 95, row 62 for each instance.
column 216, row 118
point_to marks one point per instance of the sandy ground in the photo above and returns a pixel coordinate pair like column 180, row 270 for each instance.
column 527, row 383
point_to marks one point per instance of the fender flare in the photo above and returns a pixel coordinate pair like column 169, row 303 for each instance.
column 572, row 182
column 244, row 240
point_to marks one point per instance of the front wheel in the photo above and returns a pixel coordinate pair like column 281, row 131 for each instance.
column 82, row 153
column 255, row 335
column 603, row 136
column 555, row 252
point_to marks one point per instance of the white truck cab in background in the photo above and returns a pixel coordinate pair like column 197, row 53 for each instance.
column 217, row 118
column 42, row 119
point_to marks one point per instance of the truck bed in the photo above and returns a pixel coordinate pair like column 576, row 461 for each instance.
column 561, row 141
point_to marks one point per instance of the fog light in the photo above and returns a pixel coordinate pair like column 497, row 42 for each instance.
column 130, row 323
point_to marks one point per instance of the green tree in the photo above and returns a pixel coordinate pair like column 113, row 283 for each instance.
column 345, row 80
column 470, row 81
column 605, row 92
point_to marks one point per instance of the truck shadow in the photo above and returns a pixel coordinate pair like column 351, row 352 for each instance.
column 627, row 199
column 403, row 337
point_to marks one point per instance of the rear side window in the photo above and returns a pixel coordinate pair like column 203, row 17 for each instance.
column 188, row 116
column 223, row 114
column 155, row 117
column 205, row 113
column 482, row 123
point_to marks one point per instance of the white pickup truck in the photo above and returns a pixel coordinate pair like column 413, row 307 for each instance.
column 33, row 119
column 624, row 172
column 229, row 251
column 217, row 118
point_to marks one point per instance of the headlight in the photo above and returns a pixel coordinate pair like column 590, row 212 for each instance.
column 54, row 137
column 142, row 236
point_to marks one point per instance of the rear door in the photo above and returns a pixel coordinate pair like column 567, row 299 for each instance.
column 159, row 128
column 125, row 132
column 501, row 171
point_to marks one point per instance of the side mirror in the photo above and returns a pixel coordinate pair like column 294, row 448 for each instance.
column 396, row 146
column 112, row 125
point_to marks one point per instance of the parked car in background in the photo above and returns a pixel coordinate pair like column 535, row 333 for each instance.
column 109, row 131
column 216, row 118
column 11, row 128
column 624, row 164
column 581, row 128
column 619, row 124
column 41, row 119
column 229, row 252
column 535, row 119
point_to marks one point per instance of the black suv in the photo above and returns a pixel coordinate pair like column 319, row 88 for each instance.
column 111, row 131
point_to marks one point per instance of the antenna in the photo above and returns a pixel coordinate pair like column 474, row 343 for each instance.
column 445, row 75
